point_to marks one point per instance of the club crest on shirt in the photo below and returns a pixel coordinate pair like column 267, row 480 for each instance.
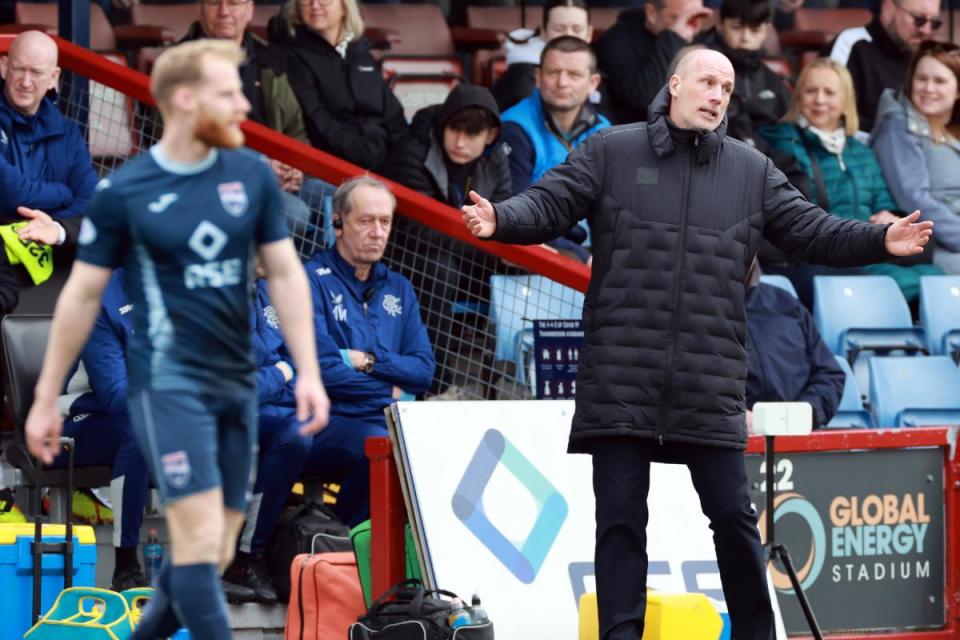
column 233, row 197
column 176, row 468
column 391, row 304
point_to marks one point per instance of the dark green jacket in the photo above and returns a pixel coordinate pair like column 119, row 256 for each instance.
column 281, row 109
column 855, row 189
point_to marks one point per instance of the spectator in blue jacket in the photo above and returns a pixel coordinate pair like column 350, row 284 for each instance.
column 46, row 176
column 543, row 128
column 371, row 342
column 787, row 359
column 283, row 452
column 96, row 408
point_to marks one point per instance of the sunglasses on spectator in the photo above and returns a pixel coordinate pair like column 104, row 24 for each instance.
column 919, row 20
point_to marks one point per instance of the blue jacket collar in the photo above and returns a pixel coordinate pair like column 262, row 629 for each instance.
column 47, row 121
column 348, row 274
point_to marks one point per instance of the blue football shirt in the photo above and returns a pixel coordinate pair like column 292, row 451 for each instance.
column 186, row 236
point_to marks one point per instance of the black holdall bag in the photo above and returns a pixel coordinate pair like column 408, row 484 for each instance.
column 306, row 528
column 415, row 613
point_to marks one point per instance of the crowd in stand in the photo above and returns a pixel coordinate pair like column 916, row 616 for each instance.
column 870, row 131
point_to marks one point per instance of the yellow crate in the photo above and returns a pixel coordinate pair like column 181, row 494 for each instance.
column 677, row 616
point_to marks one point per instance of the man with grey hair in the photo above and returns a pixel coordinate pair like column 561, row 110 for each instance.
column 371, row 341
column 46, row 176
column 663, row 369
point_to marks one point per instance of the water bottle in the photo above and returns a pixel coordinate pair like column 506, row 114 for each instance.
column 458, row 615
column 479, row 613
column 152, row 555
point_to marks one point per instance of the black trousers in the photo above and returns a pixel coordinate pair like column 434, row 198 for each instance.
column 621, row 481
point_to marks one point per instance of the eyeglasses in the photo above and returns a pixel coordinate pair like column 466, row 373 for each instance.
column 230, row 3
column 919, row 20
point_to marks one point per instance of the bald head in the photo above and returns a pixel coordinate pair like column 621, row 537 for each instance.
column 703, row 58
column 29, row 71
column 700, row 90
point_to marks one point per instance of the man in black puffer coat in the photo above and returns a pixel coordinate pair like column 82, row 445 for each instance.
column 677, row 211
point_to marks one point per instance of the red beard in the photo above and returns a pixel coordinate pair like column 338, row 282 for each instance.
column 217, row 133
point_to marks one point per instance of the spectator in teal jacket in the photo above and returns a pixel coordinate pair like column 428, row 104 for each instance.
column 845, row 177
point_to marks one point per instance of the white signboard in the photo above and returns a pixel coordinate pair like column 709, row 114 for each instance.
column 502, row 510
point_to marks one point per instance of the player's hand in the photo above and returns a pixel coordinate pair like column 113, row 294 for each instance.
column 908, row 236
column 44, row 425
column 749, row 421
column 687, row 24
column 41, row 228
column 480, row 217
column 313, row 405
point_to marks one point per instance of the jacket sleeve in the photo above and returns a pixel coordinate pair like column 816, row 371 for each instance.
column 19, row 190
column 809, row 234
column 82, row 179
column 103, row 358
column 291, row 124
column 343, row 383
column 824, row 387
column 635, row 81
column 270, row 384
column 559, row 200
column 406, row 167
column 362, row 141
column 521, row 157
column 501, row 159
column 411, row 368
column 904, row 165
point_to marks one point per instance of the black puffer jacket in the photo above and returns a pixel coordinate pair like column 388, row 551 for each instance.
column 348, row 108
column 675, row 226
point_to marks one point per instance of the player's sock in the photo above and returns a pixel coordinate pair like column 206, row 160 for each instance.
column 198, row 599
column 159, row 620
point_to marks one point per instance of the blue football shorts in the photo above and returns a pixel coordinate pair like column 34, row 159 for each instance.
column 194, row 442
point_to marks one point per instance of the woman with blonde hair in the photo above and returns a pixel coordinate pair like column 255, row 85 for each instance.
column 845, row 179
column 348, row 108
column 917, row 142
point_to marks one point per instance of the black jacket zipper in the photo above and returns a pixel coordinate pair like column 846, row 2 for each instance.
column 677, row 274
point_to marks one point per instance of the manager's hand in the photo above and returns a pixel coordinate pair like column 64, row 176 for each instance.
column 480, row 217
column 907, row 236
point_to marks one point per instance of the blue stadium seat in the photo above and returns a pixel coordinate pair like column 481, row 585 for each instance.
column 860, row 316
column 940, row 314
column 860, row 313
column 779, row 281
column 909, row 392
column 851, row 413
column 516, row 301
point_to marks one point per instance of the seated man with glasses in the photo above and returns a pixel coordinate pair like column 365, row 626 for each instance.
column 878, row 54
